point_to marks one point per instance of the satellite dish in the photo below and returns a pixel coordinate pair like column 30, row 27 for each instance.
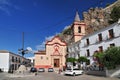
column 29, row 48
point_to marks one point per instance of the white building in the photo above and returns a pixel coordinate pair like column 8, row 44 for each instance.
column 100, row 41
column 10, row 61
column 97, row 41
column 74, row 50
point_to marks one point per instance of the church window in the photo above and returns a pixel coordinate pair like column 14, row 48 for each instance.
column 79, row 29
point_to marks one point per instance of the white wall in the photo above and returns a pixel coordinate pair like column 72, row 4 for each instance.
column 105, row 43
column 4, row 61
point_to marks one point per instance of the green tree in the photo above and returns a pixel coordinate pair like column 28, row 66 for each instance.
column 71, row 59
column 82, row 59
column 115, row 14
column 67, row 31
column 112, row 57
column 99, row 56
column 108, row 4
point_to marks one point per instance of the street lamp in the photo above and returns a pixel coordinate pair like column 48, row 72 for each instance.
column 22, row 68
column 22, row 50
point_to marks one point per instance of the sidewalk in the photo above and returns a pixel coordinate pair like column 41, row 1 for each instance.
column 20, row 75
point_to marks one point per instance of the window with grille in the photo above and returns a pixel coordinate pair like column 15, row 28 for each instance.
column 88, row 53
column 100, row 37
column 100, row 48
column 111, row 33
column 87, row 40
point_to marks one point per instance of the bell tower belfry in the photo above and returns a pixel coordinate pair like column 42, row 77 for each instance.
column 78, row 28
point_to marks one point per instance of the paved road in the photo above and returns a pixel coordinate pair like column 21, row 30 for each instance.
column 51, row 76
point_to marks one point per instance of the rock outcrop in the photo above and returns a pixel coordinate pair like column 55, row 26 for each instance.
column 97, row 18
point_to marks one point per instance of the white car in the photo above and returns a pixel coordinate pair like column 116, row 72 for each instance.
column 74, row 71
column 41, row 70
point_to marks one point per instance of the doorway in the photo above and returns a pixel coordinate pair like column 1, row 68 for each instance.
column 56, row 62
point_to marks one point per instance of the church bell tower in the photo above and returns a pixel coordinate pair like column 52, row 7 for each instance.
column 78, row 28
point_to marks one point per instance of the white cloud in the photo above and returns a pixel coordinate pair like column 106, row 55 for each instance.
column 66, row 27
column 49, row 38
column 5, row 10
column 5, row 6
column 4, row 2
column 29, row 49
column 42, row 45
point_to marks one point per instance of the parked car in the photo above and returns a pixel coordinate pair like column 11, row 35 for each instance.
column 41, row 70
column 1, row 70
column 50, row 70
column 33, row 69
column 74, row 71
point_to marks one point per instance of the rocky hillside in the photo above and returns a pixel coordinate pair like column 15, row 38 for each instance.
column 97, row 18
column 66, row 35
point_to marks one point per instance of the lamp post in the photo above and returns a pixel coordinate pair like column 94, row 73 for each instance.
column 22, row 50
column 22, row 68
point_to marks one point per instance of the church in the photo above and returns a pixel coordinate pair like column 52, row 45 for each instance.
column 55, row 52
column 54, row 56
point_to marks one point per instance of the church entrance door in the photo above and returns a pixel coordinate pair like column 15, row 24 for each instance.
column 56, row 62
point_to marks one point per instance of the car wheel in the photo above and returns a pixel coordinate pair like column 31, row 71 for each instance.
column 82, row 72
column 74, row 74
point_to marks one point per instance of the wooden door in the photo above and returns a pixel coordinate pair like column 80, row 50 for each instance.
column 56, row 62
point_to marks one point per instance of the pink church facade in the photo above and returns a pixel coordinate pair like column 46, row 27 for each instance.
column 53, row 56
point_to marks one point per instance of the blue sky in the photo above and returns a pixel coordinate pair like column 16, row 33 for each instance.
column 38, row 19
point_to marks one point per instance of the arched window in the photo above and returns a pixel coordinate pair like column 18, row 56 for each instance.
column 79, row 29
